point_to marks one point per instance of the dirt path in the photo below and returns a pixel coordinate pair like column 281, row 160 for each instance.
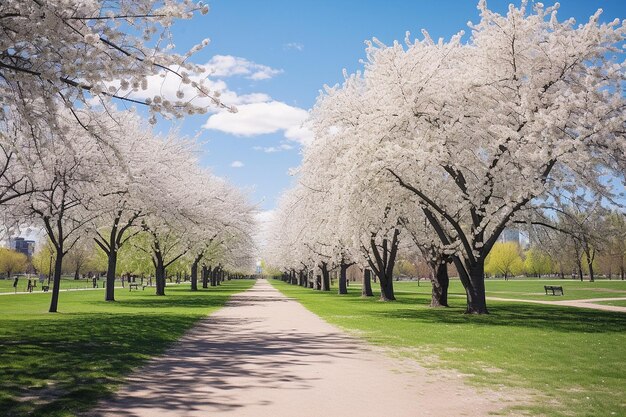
column 266, row 355
column 585, row 303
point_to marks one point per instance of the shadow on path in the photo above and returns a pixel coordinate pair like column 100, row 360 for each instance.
column 227, row 357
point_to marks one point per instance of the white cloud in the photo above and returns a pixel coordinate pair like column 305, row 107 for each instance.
column 293, row 45
column 227, row 66
column 263, row 118
column 273, row 149
column 300, row 133
column 237, row 164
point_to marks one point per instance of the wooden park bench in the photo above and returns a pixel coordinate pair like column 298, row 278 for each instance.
column 556, row 290
column 132, row 285
column 45, row 288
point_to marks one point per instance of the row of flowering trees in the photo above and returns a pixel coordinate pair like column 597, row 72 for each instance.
column 442, row 145
column 74, row 165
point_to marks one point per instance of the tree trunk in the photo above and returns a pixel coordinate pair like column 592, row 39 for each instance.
column 109, row 293
column 366, row 290
column 384, row 261
column 440, row 283
column 591, row 254
column 213, row 276
column 343, row 287
column 194, row 276
column 160, row 278
column 56, row 281
column 77, row 273
column 386, row 287
column 318, row 282
column 475, row 288
column 325, row 279
column 205, row 276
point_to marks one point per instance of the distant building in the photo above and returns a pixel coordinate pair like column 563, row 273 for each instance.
column 510, row 235
column 19, row 244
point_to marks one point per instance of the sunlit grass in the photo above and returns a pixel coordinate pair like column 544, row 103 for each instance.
column 60, row 364
column 571, row 359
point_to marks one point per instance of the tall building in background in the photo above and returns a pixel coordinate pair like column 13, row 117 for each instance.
column 19, row 244
column 510, row 235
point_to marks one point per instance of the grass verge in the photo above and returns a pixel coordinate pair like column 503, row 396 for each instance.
column 61, row 364
column 572, row 358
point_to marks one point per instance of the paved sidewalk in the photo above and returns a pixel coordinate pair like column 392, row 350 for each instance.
column 584, row 303
column 266, row 355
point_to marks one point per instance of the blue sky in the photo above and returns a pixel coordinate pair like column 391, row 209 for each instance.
column 274, row 56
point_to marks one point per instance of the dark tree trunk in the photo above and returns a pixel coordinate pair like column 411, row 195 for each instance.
column 384, row 261
column 301, row 281
column 475, row 288
column 440, row 283
column 194, row 276
column 213, row 277
column 386, row 288
column 325, row 278
column 77, row 273
column 160, row 276
column 205, row 276
column 343, row 272
column 111, row 247
column 318, row 282
column 366, row 290
column 590, row 254
column 56, row 281
column 110, row 279
column 385, row 274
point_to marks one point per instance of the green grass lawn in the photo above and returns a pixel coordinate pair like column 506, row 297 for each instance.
column 530, row 289
column 6, row 285
column 572, row 361
column 61, row 364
